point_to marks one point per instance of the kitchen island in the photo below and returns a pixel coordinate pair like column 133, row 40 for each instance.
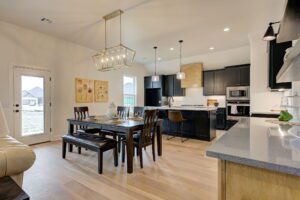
column 258, row 160
column 200, row 122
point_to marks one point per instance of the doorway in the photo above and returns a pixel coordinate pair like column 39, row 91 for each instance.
column 32, row 105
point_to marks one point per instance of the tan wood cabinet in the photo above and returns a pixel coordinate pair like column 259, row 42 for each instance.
column 193, row 75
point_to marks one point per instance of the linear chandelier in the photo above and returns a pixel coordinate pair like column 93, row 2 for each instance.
column 115, row 57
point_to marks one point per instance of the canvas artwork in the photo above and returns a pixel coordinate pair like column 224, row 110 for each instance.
column 84, row 90
column 101, row 91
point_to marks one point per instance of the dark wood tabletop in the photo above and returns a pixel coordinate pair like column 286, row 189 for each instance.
column 122, row 126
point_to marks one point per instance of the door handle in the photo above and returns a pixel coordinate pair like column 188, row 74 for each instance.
column 16, row 111
column 16, row 105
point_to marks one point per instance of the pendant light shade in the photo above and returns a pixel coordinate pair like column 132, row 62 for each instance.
column 270, row 34
column 155, row 77
column 180, row 75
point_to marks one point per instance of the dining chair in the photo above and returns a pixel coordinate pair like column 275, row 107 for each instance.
column 146, row 137
column 175, row 117
column 138, row 111
column 123, row 112
column 81, row 113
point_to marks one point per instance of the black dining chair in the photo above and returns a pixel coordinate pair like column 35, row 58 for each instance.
column 81, row 113
column 144, row 138
column 138, row 111
column 123, row 112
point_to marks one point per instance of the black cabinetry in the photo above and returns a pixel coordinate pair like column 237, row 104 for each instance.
column 149, row 84
column 276, row 55
column 216, row 81
column 172, row 86
column 208, row 82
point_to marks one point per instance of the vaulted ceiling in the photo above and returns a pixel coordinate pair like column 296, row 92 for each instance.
column 146, row 23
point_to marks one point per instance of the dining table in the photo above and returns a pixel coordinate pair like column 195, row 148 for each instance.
column 127, row 127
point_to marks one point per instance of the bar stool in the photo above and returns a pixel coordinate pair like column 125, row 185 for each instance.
column 176, row 118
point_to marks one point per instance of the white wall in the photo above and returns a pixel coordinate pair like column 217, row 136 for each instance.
column 262, row 99
column 66, row 61
column 214, row 60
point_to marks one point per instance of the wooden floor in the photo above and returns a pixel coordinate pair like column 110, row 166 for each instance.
column 183, row 172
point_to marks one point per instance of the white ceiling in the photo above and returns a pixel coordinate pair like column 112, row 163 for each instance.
column 147, row 23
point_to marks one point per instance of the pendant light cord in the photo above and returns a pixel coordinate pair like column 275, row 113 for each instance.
column 105, row 35
column 120, row 28
column 180, row 42
column 155, row 48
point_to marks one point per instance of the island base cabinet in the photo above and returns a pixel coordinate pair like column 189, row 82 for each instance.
column 241, row 182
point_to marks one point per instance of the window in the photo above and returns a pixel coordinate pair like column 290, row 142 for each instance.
column 129, row 91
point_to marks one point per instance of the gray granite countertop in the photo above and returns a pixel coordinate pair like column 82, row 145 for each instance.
column 258, row 143
column 192, row 108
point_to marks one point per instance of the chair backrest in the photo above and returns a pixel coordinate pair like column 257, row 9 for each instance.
column 150, row 119
column 175, row 116
column 81, row 113
column 138, row 111
column 123, row 111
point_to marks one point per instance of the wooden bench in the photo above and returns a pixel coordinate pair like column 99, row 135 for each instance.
column 94, row 143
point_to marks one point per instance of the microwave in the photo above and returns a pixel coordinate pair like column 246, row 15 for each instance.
column 238, row 93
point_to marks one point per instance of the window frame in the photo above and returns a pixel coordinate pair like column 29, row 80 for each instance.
column 135, row 92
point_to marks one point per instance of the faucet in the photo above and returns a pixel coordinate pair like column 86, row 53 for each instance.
column 170, row 100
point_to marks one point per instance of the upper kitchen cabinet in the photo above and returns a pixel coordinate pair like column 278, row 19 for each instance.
column 208, row 82
column 149, row 84
column 216, row 81
column 238, row 75
column 276, row 57
column 193, row 75
column 219, row 86
column 172, row 86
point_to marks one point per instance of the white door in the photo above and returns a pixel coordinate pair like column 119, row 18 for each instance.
column 31, row 105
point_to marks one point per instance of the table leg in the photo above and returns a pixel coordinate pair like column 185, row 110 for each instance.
column 70, row 131
column 159, row 138
column 129, row 151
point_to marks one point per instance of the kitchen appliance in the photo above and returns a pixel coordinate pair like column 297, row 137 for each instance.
column 237, row 109
column 238, row 93
column 153, row 97
column 237, row 102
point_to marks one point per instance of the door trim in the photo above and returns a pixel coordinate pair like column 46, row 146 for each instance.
column 11, row 96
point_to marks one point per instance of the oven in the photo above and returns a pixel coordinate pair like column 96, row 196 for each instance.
column 237, row 109
column 238, row 93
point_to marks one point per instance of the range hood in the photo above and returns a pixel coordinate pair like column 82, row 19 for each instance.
column 290, row 71
column 290, row 30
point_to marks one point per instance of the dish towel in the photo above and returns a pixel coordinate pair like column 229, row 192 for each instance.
column 234, row 109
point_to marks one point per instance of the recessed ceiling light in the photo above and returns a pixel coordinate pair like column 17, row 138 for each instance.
column 211, row 48
column 159, row 58
column 171, row 49
column 226, row 29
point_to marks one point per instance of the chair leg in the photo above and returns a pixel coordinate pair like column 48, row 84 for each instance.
column 137, row 151
column 181, row 132
column 119, row 144
column 141, row 156
column 100, row 161
column 123, row 152
column 64, row 148
column 153, row 149
column 116, row 156
column 79, row 150
column 70, row 147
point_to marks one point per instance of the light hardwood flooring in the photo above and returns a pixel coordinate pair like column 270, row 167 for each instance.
column 183, row 172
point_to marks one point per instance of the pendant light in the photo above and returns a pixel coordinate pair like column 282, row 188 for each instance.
column 180, row 75
column 270, row 35
column 114, row 57
column 155, row 77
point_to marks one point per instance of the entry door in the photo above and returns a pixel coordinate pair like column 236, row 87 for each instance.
column 31, row 105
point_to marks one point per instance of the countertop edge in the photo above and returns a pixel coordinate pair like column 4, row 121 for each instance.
column 254, row 163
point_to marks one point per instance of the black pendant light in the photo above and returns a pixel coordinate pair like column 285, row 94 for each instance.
column 155, row 78
column 270, row 35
